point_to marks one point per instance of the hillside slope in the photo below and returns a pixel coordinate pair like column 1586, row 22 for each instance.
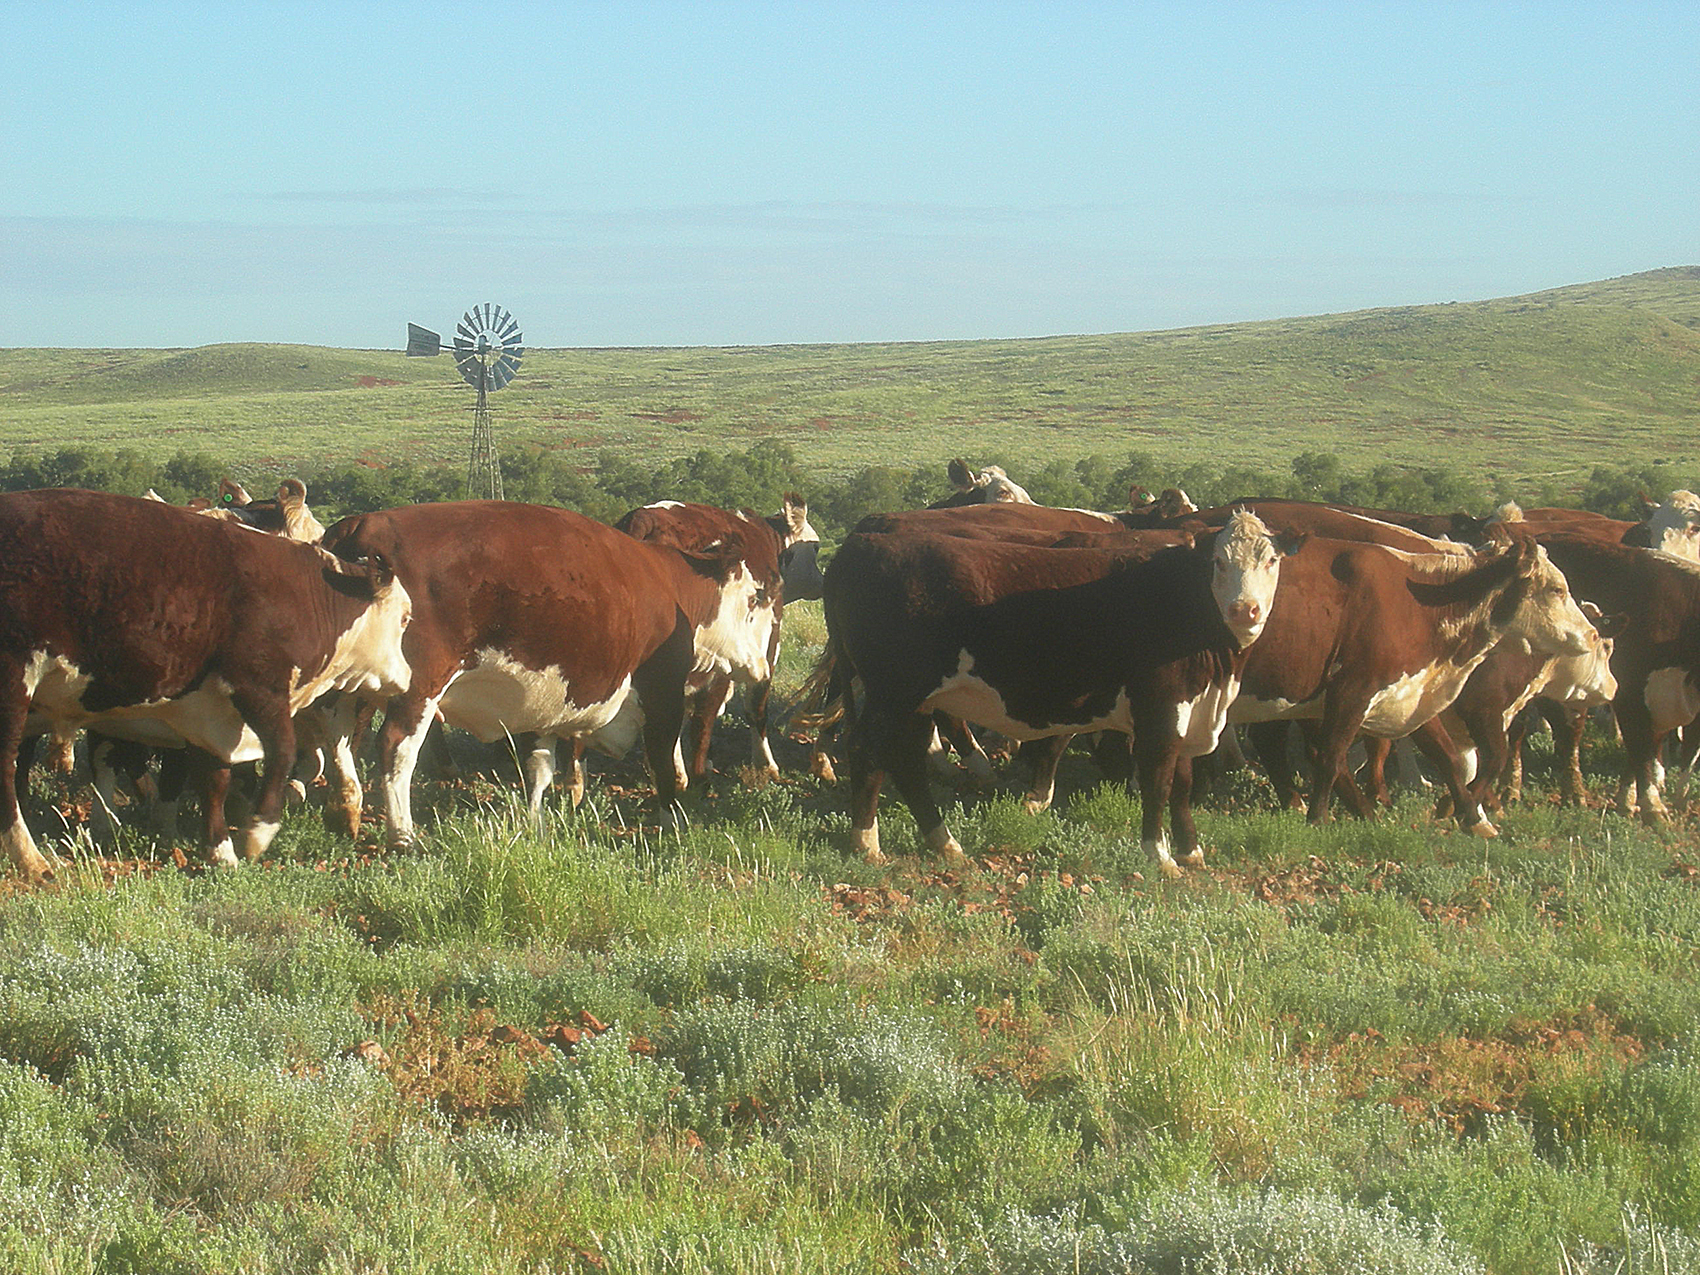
column 1549, row 383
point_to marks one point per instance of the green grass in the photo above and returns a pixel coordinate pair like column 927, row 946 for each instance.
column 726, row 1047
column 1528, row 388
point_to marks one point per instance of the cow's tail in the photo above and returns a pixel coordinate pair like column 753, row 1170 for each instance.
column 822, row 697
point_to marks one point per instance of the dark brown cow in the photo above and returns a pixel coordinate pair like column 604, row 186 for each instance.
column 534, row 620
column 1039, row 641
column 1657, row 659
column 1368, row 638
column 170, row 629
column 780, row 556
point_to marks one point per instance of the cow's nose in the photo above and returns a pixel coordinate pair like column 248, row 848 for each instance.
column 1246, row 612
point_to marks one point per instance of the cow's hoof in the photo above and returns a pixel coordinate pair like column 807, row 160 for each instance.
column 1035, row 805
column 1191, row 859
column 1483, row 829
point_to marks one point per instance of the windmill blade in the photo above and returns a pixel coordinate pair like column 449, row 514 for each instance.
column 510, row 327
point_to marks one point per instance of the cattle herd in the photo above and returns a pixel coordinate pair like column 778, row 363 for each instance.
column 238, row 630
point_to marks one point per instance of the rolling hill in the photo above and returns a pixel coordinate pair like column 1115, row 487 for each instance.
column 1542, row 385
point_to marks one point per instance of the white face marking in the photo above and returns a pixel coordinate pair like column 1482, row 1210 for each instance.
column 736, row 639
column 1549, row 618
column 367, row 656
column 1674, row 527
column 1246, row 568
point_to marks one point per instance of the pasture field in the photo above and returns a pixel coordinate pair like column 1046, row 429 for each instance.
column 603, row 1045
column 1532, row 389
column 729, row 1047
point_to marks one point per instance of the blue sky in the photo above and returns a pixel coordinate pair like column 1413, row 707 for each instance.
column 735, row 173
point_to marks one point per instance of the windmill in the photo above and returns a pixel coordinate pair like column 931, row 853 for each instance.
column 487, row 349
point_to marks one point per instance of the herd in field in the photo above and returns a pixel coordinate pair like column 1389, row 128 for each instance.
column 244, row 630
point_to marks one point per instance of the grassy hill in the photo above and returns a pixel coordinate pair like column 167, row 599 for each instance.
column 1523, row 387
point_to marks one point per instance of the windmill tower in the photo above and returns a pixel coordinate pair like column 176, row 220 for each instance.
column 487, row 348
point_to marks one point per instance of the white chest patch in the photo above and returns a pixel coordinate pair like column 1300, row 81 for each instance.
column 498, row 697
column 1672, row 699
column 736, row 639
column 1201, row 720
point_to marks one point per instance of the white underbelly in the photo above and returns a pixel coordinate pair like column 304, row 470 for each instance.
column 1672, row 699
column 498, row 697
column 204, row 717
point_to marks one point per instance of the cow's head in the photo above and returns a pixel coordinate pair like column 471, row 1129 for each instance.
column 1246, row 567
column 1674, row 526
column 737, row 637
column 1588, row 679
column 799, row 567
column 990, row 486
column 369, row 651
column 1536, row 604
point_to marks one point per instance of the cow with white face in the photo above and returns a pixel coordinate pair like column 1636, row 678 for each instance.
column 1146, row 637
column 1673, row 525
column 991, row 486
column 779, row 557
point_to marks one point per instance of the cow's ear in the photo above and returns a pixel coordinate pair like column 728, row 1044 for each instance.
column 961, row 478
column 1287, row 543
column 1612, row 626
column 717, row 559
column 292, row 494
column 233, row 493
column 1648, row 507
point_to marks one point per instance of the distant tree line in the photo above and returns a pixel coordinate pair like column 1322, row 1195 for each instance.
column 607, row 485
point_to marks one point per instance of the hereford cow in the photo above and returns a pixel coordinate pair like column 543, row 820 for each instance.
column 534, row 620
column 1657, row 658
column 780, row 552
column 1366, row 638
column 988, row 487
column 169, row 629
column 1042, row 641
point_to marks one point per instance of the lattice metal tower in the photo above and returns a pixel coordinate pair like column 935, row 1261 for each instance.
column 487, row 348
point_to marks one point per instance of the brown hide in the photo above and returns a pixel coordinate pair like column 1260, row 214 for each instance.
column 159, row 603
column 1059, row 633
column 546, row 590
column 1658, row 649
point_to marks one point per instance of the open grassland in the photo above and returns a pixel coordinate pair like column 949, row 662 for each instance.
column 1527, row 388
column 725, row 1046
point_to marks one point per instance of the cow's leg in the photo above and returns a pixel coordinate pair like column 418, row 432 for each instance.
column 175, row 765
column 704, row 708
column 1184, row 831
column 1045, row 754
column 214, row 782
column 960, row 735
column 659, row 683
column 1435, row 743
column 1156, row 749
column 538, row 752
column 1568, row 723
column 1641, row 745
column 14, row 834
column 1373, row 775
column 1269, row 742
column 575, row 771
column 407, row 720
column 1343, row 716
column 903, row 757
column 758, row 695
column 269, row 717
column 338, row 724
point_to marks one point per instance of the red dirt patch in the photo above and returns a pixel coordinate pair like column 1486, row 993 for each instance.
column 373, row 382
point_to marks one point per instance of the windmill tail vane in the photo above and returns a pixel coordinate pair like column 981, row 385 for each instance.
column 487, row 350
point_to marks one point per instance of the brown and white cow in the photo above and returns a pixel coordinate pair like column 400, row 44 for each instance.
column 1367, row 638
column 535, row 620
column 988, row 487
column 780, row 556
column 172, row 629
column 1035, row 642
column 1657, row 657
